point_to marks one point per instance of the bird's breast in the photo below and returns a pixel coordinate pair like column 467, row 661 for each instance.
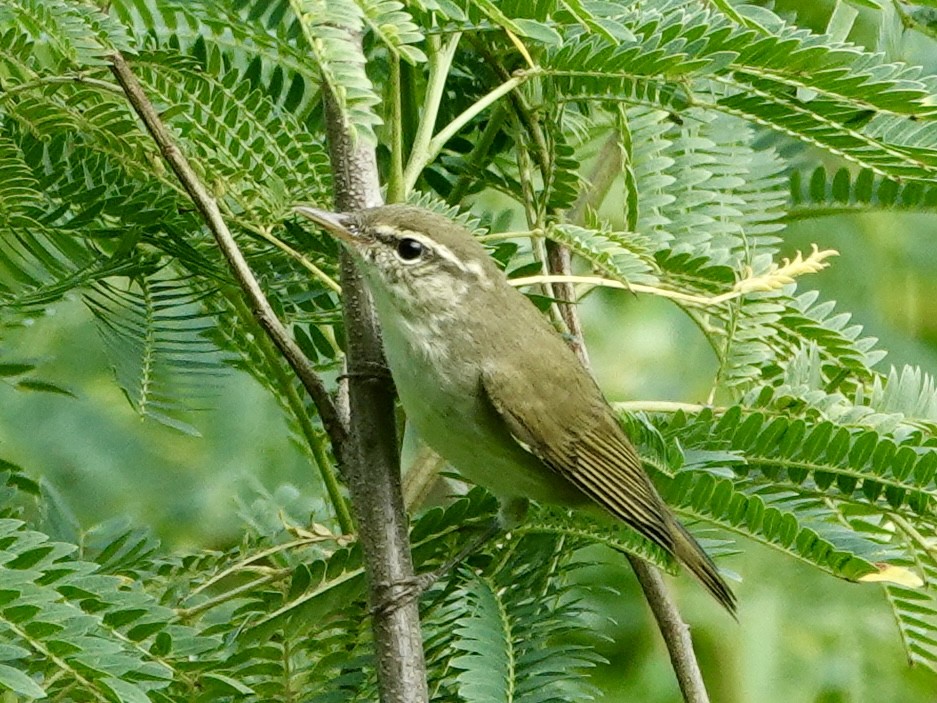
column 439, row 384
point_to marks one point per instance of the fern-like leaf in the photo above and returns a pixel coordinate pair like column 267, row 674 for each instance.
column 820, row 193
column 328, row 28
column 82, row 633
column 157, row 338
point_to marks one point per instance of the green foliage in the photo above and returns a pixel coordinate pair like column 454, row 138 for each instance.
column 80, row 631
column 819, row 193
column 156, row 334
column 667, row 144
column 329, row 28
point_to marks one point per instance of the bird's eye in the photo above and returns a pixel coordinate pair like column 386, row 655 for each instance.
column 409, row 249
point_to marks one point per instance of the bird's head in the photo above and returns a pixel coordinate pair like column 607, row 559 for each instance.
column 419, row 260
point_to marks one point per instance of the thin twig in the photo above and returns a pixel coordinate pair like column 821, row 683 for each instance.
column 300, row 258
column 463, row 118
column 673, row 629
column 425, row 155
column 604, row 172
column 474, row 163
column 244, row 564
column 271, row 576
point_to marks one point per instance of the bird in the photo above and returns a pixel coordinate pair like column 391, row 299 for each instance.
column 492, row 387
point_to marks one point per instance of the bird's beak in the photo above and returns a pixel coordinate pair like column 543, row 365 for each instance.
column 335, row 223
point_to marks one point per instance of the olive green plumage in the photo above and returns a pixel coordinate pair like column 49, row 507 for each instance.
column 490, row 385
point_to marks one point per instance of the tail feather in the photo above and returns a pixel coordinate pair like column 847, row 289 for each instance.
column 692, row 556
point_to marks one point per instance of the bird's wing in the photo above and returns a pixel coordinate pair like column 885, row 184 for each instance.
column 596, row 457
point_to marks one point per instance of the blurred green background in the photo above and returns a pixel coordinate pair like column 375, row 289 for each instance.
column 802, row 636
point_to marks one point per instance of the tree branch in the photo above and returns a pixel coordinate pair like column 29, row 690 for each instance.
column 366, row 449
column 371, row 461
column 673, row 629
column 211, row 214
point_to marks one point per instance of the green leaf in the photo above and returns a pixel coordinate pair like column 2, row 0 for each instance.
column 390, row 21
column 621, row 256
column 20, row 683
column 154, row 331
column 487, row 662
column 330, row 29
column 226, row 684
column 124, row 691
column 11, row 369
column 538, row 31
column 35, row 384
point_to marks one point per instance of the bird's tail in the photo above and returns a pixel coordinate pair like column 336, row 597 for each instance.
column 692, row 556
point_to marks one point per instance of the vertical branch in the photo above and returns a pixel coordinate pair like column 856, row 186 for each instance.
column 395, row 187
column 559, row 262
column 371, row 461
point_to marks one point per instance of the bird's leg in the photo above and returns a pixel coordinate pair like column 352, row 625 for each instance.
column 399, row 593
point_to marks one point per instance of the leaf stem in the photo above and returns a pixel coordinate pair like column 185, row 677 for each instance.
column 440, row 61
column 474, row 162
column 295, row 403
column 396, row 192
column 76, row 78
column 271, row 576
column 299, row 257
column 466, row 116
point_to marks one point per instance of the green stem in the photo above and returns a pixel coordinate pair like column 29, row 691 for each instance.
column 295, row 403
column 440, row 60
column 234, row 593
column 437, row 143
column 396, row 193
column 478, row 155
column 626, row 159
column 68, row 79
column 245, row 564
column 297, row 256
column 662, row 406
column 922, row 542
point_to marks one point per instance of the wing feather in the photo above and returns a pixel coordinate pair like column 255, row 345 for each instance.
column 592, row 452
column 597, row 459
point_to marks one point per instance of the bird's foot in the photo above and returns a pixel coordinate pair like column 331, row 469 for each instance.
column 399, row 593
